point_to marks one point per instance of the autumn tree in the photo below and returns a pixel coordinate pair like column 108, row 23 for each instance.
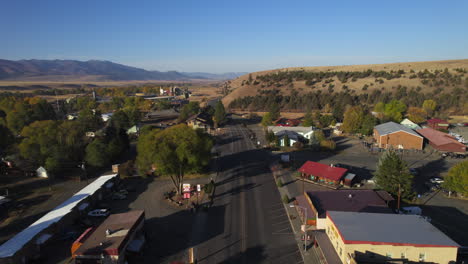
column 174, row 152
column 457, row 178
column 394, row 110
column 267, row 120
column 416, row 114
column 352, row 119
column 368, row 124
column 393, row 176
column 308, row 121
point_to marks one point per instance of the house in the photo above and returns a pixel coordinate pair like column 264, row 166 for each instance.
column 319, row 202
column 380, row 238
column 410, row 124
column 201, row 120
column 111, row 240
column 393, row 135
column 337, row 129
column 42, row 173
column 442, row 141
column 291, row 136
column 134, row 130
column 436, row 123
column 321, row 173
column 302, row 133
column 28, row 243
column 105, row 117
column 284, row 122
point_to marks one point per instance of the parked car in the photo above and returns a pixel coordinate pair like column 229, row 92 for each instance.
column 99, row 213
column 436, row 180
column 118, row 196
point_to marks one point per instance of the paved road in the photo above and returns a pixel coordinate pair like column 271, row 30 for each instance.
column 247, row 223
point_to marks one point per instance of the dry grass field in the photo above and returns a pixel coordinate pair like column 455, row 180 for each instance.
column 239, row 90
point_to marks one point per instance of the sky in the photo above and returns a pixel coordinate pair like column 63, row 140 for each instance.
column 234, row 36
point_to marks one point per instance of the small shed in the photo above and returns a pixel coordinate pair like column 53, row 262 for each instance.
column 349, row 179
column 42, row 173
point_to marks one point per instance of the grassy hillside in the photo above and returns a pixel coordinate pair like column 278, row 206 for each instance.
column 355, row 79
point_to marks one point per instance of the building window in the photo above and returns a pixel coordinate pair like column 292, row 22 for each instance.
column 403, row 255
column 422, row 256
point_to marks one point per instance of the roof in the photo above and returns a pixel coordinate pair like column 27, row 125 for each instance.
column 436, row 121
column 10, row 247
column 121, row 227
column 360, row 201
column 298, row 129
column 409, row 124
column 373, row 228
column 323, row 171
column 392, row 127
column 438, row 138
column 291, row 134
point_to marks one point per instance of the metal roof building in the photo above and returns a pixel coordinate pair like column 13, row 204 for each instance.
column 442, row 141
column 392, row 127
column 393, row 135
column 372, row 228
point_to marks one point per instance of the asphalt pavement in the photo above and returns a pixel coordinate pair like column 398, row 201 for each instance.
column 247, row 222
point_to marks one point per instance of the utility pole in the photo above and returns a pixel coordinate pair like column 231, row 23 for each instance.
column 399, row 197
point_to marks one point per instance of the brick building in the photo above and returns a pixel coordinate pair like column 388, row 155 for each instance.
column 396, row 136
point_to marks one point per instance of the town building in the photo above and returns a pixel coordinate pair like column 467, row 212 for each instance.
column 319, row 202
column 301, row 134
column 380, row 238
column 201, row 120
column 28, row 244
column 322, row 173
column 284, row 122
column 410, row 124
column 438, row 124
column 442, row 141
column 111, row 240
column 396, row 136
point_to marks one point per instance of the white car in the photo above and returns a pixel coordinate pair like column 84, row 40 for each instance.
column 437, row 180
column 99, row 212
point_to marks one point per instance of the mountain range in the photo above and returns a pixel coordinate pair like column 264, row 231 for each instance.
column 92, row 70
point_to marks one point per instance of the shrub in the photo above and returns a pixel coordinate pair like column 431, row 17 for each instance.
column 285, row 199
column 328, row 145
column 279, row 183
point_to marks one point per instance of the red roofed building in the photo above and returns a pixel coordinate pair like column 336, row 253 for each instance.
column 111, row 240
column 436, row 123
column 287, row 122
column 321, row 173
column 442, row 141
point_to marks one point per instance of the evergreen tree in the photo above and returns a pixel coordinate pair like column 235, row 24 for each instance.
column 393, row 175
column 219, row 114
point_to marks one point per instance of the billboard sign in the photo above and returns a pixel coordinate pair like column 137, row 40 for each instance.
column 186, row 187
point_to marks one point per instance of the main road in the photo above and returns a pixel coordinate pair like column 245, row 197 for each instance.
column 247, row 222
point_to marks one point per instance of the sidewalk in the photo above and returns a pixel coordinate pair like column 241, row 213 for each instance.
column 290, row 189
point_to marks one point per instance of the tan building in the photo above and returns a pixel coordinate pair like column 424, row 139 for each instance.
column 396, row 136
column 384, row 237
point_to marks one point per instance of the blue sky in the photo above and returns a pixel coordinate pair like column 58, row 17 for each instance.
column 223, row 36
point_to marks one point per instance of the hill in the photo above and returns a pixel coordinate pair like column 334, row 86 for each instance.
column 355, row 79
column 214, row 76
column 73, row 70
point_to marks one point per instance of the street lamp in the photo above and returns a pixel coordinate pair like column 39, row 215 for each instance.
column 304, row 212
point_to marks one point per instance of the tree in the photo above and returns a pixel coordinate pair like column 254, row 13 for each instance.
column 394, row 110
column 6, row 137
column 287, row 142
column 379, row 107
column 328, row 145
column 457, row 178
column 219, row 114
column 352, row 119
column 96, row 154
column 270, row 137
column 326, row 120
column 267, row 120
column 368, row 124
column 416, row 114
column 308, row 121
column 274, row 111
column 120, row 120
column 174, row 152
column 190, row 109
column 430, row 106
column 393, row 175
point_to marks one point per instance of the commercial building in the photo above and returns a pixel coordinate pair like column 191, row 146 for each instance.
column 319, row 202
column 110, row 241
column 442, row 141
column 396, row 136
column 322, row 173
column 386, row 237
column 27, row 244
column 436, row 123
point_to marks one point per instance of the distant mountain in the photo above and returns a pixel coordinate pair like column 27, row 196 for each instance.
column 92, row 70
column 214, row 76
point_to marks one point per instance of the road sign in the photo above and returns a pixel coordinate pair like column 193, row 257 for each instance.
column 186, row 187
column 198, row 188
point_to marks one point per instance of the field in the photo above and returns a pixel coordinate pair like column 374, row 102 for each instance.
column 239, row 90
